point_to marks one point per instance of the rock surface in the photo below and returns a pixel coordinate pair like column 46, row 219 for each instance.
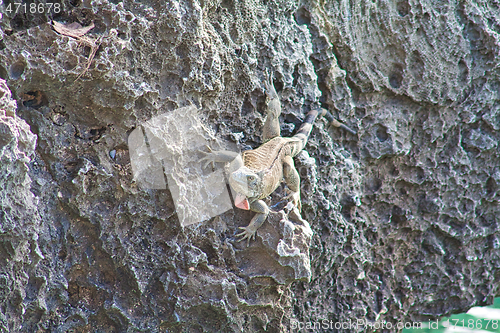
column 402, row 219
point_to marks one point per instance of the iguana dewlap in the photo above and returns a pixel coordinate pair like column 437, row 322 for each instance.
column 255, row 174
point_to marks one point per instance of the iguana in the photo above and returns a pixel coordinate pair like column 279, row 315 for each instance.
column 255, row 174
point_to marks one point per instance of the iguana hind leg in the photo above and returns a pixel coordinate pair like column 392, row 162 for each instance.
column 249, row 231
column 292, row 180
column 272, row 125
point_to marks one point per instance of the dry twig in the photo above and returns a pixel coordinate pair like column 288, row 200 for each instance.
column 78, row 32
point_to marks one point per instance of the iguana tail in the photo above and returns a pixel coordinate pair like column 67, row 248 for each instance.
column 304, row 131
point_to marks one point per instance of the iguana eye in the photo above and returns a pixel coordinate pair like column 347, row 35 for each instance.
column 250, row 178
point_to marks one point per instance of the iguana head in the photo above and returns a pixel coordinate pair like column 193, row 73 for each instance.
column 247, row 185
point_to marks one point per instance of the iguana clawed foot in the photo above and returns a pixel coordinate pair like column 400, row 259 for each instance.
column 248, row 233
column 207, row 158
column 295, row 200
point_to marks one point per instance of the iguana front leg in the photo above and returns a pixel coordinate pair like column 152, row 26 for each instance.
column 222, row 156
column 249, row 231
column 292, row 180
column 236, row 162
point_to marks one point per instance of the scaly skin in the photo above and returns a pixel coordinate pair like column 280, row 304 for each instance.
column 257, row 173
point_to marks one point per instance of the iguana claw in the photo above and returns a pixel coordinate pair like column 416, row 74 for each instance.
column 246, row 234
column 295, row 200
column 208, row 158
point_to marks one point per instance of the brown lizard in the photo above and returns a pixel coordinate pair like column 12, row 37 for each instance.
column 255, row 174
